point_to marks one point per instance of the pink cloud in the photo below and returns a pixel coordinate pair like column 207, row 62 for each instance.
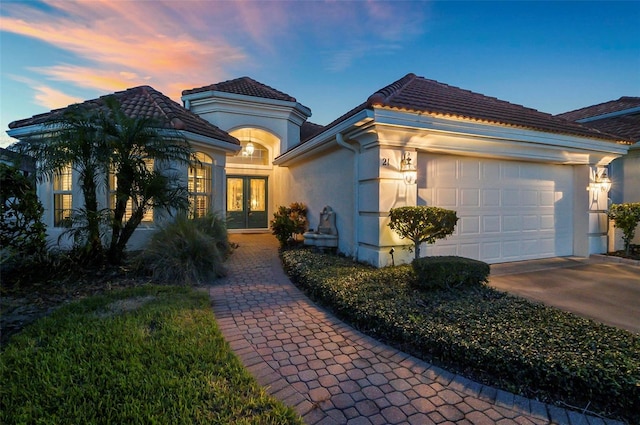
column 52, row 98
column 125, row 40
column 120, row 44
column 48, row 96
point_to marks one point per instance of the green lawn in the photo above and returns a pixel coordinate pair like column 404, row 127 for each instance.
column 492, row 337
column 145, row 355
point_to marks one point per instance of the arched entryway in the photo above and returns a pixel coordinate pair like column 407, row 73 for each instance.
column 248, row 179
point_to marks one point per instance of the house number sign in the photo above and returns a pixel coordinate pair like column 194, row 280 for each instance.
column 385, row 162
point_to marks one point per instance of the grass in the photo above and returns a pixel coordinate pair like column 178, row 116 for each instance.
column 497, row 339
column 150, row 354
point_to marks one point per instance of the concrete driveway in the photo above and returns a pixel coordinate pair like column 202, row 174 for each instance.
column 606, row 292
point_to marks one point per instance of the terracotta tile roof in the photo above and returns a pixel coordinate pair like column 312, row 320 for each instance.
column 309, row 129
column 625, row 102
column 626, row 126
column 419, row 94
column 244, row 86
column 145, row 101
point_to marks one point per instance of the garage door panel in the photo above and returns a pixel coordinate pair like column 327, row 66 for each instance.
column 529, row 198
column 491, row 224
column 469, row 171
column 447, row 197
column 470, row 250
column 547, row 198
column 470, row 197
column 490, row 198
column 491, row 251
column 547, row 222
column 511, row 223
column 508, row 210
column 511, row 197
column 530, row 222
column 469, row 225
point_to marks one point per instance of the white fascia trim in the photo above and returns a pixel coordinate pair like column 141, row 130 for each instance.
column 628, row 111
column 492, row 131
column 297, row 106
column 39, row 129
column 322, row 140
column 211, row 142
column 30, row 130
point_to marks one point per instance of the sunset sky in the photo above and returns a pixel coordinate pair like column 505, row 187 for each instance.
column 330, row 55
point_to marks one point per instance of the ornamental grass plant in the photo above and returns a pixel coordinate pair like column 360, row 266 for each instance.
column 150, row 354
column 187, row 251
column 487, row 335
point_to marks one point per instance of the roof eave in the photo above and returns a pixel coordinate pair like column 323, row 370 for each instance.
column 322, row 140
column 245, row 98
column 212, row 142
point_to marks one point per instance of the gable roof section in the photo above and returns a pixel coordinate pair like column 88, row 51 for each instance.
column 309, row 129
column 244, row 86
column 620, row 117
column 418, row 94
column 145, row 101
column 605, row 108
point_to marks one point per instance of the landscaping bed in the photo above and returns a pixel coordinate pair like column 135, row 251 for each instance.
column 497, row 339
column 634, row 253
column 150, row 354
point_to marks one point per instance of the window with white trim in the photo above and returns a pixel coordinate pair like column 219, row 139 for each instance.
column 132, row 204
column 62, row 196
column 200, row 184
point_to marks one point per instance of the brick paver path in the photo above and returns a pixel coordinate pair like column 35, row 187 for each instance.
column 333, row 374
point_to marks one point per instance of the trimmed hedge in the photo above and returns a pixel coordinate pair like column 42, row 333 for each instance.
column 490, row 336
column 448, row 272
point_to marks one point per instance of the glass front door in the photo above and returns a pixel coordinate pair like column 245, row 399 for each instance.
column 246, row 202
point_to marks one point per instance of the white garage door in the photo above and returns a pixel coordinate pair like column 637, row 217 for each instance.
column 508, row 210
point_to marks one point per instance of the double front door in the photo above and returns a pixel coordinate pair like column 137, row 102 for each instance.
column 247, row 202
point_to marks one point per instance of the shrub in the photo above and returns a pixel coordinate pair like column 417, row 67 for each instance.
column 449, row 271
column 187, row 251
column 487, row 335
column 21, row 229
column 422, row 224
column 626, row 218
column 289, row 221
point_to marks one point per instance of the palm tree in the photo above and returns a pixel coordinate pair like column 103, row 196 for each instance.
column 99, row 139
column 134, row 143
column 72, row 138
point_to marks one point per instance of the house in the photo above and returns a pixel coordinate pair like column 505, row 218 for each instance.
column 22, row 162
column 205, row 178
column 515, row 176
column 620, row 117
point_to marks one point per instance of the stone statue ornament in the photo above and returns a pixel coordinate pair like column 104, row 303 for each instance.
column 327, row 234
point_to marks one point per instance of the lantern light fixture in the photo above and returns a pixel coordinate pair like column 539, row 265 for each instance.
column 600, row 182
column 249, row 148
column 408, row 170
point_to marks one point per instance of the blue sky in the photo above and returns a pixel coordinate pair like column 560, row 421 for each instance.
column 330, row 55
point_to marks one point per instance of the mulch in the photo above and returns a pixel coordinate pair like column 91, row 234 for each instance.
column 24, row 304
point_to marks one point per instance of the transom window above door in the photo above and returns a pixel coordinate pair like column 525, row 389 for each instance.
column 252, row 153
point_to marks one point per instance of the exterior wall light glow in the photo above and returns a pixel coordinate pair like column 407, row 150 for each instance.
column 409, row 172
column 250, row 148
column 600, row 182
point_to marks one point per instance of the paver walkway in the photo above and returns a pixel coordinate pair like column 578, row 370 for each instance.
column 333, row 374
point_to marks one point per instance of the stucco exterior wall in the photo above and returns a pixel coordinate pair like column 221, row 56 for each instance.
column 625, row 187
column 320, row 181
column 144, row 231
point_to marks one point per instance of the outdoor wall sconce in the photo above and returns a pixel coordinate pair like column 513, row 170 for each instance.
column 408, row 169
column 601, row 182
